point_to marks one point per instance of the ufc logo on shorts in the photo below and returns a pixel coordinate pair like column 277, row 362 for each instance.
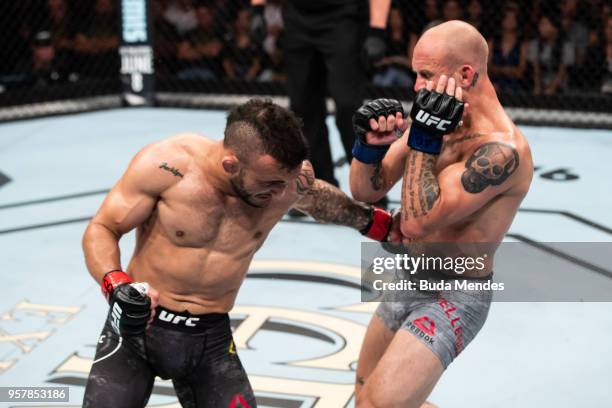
column 176, row 319
column 116, row 316
column 429, row 120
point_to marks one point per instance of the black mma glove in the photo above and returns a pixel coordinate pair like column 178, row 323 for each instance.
column 130, row 307
column 258, row 25
column 362, row 150
column 433, row 116
column 374, row 48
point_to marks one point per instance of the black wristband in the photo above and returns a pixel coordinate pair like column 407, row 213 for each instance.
column 377, row 32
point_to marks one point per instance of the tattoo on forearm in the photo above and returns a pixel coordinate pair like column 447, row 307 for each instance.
column 377, row 177
column 420, row 189
column 172, row 170
column 430, row 190
column 490, row 165
column 326, row 203
column 411, row 192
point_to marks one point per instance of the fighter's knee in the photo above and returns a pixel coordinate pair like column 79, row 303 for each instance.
column 368, row 398
column 380, row 398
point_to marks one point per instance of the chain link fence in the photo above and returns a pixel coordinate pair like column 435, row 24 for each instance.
column 551, row 61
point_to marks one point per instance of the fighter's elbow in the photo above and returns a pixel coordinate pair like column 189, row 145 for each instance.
column 97, row 230
column 413, row 229
column 366, row 196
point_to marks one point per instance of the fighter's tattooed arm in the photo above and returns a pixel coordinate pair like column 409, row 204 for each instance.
column 432, row 200
column 490, row 165
column 420, row 189
column 174, row 171
column 377, row 177
column 326, row 203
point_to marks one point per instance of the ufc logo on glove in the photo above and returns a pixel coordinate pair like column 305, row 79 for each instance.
column 428, row 120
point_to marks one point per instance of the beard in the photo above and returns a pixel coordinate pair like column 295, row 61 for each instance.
column 240, row 190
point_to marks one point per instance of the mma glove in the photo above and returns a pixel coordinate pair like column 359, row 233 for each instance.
column 362, row 150
column 374, row 48
column 379, row 226
column 130, row 307
column 433, row 115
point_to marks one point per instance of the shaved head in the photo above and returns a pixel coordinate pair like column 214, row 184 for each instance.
column 453, row 44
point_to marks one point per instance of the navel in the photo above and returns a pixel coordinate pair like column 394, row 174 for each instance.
column 180, row 233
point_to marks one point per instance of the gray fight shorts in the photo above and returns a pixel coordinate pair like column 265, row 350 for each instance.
column 446, row 321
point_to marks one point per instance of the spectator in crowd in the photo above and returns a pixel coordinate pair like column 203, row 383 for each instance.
column 241, row 57
column 15, row 39
column 475, row 17
column 181, row 15
column 431, row 14
column 47, row 66
column 59, row 25
column 394, row 69
column 273, row 67
column 199, row 52
column 273, row 55
column 97, row 41
column 508, row 54
column 274, row 25
column 451, row 10
column 575, row 30
column 607, row 79
column 225, row 13
column 165, row 39
column 550, row 56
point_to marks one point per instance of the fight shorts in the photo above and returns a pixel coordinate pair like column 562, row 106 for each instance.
column 196, row 352
column 446, row 321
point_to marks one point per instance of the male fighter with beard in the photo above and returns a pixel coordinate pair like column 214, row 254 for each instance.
column 202, row 209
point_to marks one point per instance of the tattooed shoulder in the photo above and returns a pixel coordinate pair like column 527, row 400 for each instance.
column 306, row 178
column 176, row 172
column 490, row 165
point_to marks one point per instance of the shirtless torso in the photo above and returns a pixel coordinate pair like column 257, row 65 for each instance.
column 464, row 194
column 201, row 209
column 196, row 245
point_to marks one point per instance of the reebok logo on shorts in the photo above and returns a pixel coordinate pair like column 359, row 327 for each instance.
column 424, row 328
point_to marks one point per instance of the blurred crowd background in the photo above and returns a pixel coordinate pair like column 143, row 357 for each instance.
column 542, row 47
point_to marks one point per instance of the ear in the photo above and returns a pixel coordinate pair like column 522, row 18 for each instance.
column 469, row 77
column 231, row 164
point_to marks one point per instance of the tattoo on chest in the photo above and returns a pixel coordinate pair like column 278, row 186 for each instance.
column 464, row 138
column 173, row 170
column 490, row 165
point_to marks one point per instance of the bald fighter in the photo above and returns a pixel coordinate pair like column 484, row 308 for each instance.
column 462, row 183
column 201, row 209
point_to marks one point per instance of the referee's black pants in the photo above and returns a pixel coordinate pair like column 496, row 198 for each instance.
column 321, row 51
